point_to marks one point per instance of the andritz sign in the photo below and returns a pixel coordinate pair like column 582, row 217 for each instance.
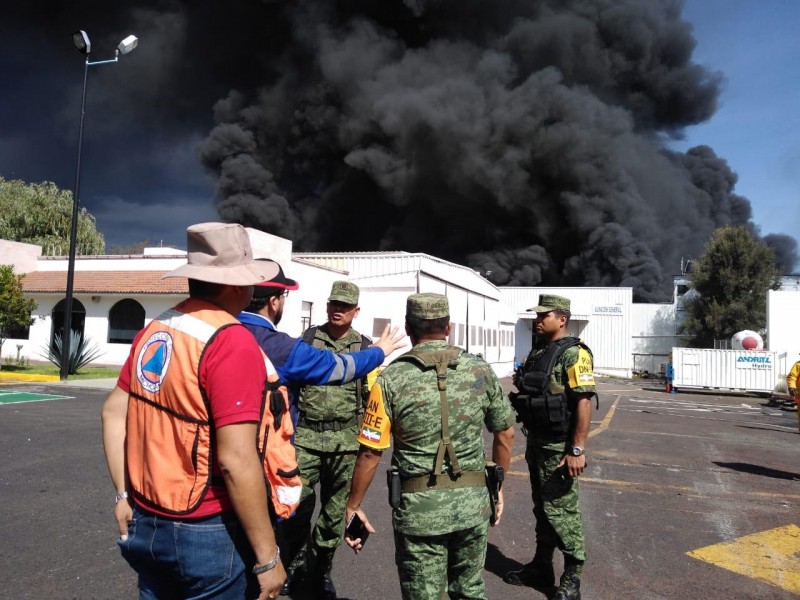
column 754, row 362
column 753, row 359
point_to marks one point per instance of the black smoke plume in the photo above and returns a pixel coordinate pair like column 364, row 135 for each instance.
column 785, row 249
column 522, row 138
column 526, row 138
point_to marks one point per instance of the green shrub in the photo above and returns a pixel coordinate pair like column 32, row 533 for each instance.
column 81, row 352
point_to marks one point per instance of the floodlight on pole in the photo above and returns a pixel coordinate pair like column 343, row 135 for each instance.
column 81, row 41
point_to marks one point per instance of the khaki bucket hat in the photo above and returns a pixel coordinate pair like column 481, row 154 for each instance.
column 221, row 253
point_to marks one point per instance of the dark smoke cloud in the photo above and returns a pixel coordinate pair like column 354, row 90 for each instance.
column 522, row 138
column 785, row 249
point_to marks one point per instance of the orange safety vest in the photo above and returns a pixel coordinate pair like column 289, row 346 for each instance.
column 170, row 432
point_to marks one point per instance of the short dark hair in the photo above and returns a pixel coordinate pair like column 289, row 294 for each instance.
column 204, row 289
column 420, row 328
column 563, row 312
column 256, row 304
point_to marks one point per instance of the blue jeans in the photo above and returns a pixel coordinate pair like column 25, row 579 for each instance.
column 189, row 559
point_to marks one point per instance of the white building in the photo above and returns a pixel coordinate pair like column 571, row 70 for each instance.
column 601, row 317
column 115, row 296
column 480, row 324
column 783, row 324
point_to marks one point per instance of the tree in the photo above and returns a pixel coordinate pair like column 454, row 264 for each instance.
column 15, row 308
column 41, row 214
column 731, row 280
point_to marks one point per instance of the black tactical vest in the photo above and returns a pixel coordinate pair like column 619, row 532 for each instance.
column 546, row 416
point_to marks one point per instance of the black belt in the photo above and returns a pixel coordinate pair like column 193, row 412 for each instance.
column 319, row 426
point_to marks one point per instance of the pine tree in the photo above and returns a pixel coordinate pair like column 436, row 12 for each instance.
column 730, row 281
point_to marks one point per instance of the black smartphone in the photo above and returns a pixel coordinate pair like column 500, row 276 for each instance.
column 355, row 529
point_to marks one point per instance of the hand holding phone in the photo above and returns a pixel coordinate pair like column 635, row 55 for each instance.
column 356, row 529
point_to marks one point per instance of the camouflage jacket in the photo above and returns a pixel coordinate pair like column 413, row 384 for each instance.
column 330, row 403
column 560, row 381
column 405, row 404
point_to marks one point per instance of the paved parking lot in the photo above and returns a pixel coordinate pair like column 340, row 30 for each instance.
column 685, row 495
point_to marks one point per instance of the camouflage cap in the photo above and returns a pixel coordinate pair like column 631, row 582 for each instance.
column 548, row 302
column 427, row 306
column 344, row 292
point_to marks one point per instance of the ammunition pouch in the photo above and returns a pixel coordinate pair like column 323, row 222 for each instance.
column 545, row 417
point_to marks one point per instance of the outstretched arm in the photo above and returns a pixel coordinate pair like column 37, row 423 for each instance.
column 307, row 365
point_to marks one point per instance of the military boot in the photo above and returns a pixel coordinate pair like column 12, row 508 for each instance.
column 537, row 573
column 321, row 581
column 570, row 587
column 296, row 570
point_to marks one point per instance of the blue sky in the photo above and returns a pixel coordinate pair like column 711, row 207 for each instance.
column 756, row 45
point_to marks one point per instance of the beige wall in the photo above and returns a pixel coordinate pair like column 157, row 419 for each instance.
column 20, row 256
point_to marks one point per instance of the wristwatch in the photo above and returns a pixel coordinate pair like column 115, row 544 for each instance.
column 577, row 451
column 120, row 496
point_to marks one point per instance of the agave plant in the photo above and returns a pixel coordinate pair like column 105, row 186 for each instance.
column 81, row 352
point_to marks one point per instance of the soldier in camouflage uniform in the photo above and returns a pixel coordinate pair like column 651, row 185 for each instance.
column 433, row 402
column 555, row 409
column 326, row 442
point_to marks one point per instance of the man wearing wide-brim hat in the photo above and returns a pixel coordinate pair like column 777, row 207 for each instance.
column 179, row 431
column 434, row 402
column 556, row 384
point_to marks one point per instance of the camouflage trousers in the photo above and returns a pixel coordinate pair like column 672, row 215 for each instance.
column 558, row 520
column 333, row 472
column 441, row 566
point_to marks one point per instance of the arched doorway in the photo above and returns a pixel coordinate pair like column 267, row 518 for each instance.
column 57, row 317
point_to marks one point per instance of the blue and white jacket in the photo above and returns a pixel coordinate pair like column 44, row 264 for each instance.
column 299, row 363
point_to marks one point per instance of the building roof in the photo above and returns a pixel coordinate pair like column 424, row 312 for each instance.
column 105, row 282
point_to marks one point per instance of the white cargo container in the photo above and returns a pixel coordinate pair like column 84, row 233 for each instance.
column 745, row 370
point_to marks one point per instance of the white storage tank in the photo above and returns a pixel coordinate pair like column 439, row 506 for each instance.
column 747, row 340
column 743, row 370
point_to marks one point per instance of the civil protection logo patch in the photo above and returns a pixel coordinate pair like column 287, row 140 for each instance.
column 153, row 361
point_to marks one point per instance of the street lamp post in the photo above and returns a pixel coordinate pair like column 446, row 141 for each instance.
column 84, row 46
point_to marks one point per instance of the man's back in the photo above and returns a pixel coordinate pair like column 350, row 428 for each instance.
column 413, row 405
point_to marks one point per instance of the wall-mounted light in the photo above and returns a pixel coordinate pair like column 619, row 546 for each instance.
column 95, row 298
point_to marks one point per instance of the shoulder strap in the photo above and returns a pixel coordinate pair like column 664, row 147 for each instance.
column 440, row 360
column 357, row 346
column 553, row 352
column 309, row 334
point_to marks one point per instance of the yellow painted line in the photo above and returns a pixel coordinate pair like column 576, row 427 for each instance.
column 607, row 419
column 600, row 428
column 769, row 556
column 27, row 377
